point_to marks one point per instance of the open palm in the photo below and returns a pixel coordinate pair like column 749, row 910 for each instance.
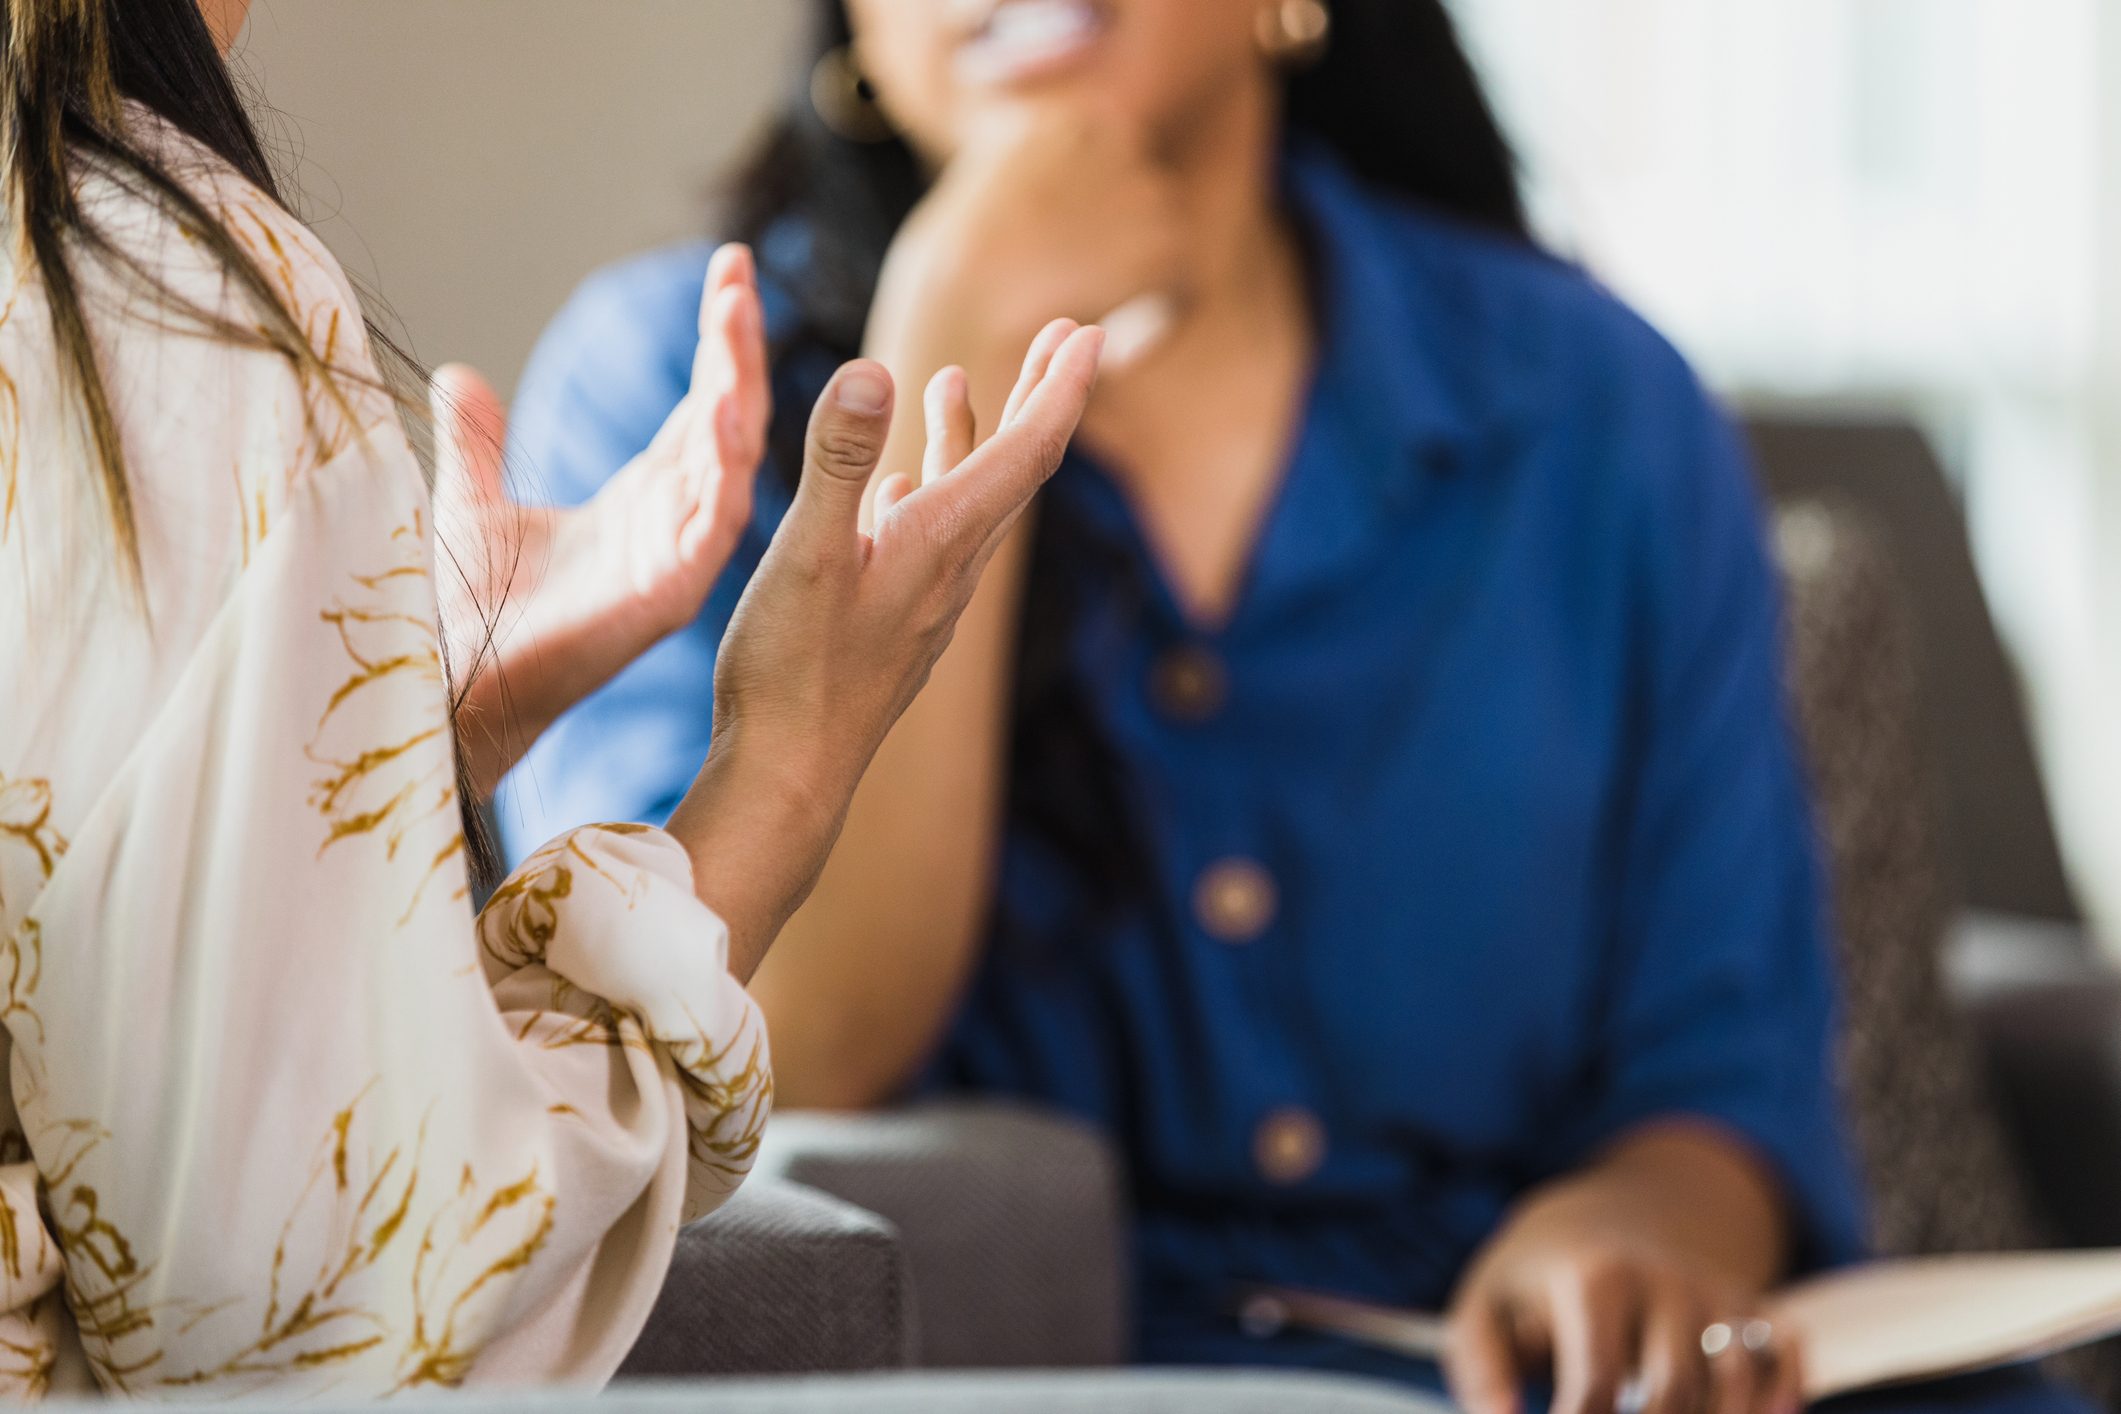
column 543, row 604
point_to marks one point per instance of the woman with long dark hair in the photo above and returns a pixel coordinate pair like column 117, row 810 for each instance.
column 281, row 1115
column 1363, row 787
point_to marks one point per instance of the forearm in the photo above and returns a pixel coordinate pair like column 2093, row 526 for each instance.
column 755, row 829
column 865, row 976
column 1680, row 1191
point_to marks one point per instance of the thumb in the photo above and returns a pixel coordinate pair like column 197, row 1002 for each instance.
column 847, row 434
column 471, row 435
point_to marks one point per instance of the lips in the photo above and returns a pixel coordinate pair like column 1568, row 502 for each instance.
column 1026, row 39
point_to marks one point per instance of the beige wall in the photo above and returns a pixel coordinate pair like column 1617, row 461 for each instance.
column 472, row 159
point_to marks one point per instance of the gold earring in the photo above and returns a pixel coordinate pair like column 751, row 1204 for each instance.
column 844, row 100
column 1294, row 32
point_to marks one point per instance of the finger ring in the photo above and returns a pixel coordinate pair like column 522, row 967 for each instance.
column 1754, row 1337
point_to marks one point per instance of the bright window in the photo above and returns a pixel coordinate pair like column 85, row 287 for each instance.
column 1902, row 202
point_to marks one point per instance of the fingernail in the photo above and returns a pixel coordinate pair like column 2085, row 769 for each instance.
column 863, row 392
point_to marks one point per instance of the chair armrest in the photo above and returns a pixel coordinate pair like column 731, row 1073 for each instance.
column 2049, row 1014
column 780, row 1280
column 1013, row 1223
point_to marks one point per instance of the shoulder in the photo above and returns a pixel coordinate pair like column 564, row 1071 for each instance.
column 214, row 383
column 1539, row 353
column 1547, row 370
column 1508, row 332
column 220, row 430
column 296, row 265
column 1538, row 336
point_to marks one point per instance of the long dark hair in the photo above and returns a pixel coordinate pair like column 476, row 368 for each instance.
column 67, row 67
column 1395, row 97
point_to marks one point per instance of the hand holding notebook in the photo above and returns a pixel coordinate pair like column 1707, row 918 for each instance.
column 1882, row 1323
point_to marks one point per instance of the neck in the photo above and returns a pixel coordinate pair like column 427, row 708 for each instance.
column 1226, row 163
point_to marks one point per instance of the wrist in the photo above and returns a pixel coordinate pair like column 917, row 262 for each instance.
column 545, row 666
column 757, row 828
column 498, row 716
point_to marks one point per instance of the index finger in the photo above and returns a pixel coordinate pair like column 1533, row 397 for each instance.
column 1037, row 359
column 986, row 494
column 1594, row 1318
column 732, row 266
column 727, row 326
column 1480, row 1362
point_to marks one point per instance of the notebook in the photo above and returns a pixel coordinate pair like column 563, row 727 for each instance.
column 1881, row 1323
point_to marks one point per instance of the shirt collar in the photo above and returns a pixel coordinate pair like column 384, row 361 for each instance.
column 1382, row 358
column 1385, row 423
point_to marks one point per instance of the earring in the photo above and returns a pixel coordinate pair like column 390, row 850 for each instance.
column 1294, row 32
column 844, row 100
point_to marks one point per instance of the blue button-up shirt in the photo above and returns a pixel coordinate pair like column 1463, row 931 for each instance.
column 1496, row 739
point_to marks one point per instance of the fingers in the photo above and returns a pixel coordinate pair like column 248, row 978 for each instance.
column 471, row 437
column 1480, row 1362
column 732, row 266
column 1733, row 1376
column 980, row 501
column 1595, row 1315
column 847, row 433
column 1785, row 1385
column 951, row 431
column 1675, row 1373
column 894, row 489
column 718, row 503
column 1036, row 362
column 1753, row 1370
column 730, row 369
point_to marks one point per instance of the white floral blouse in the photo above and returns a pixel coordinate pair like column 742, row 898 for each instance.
column 283, row 1115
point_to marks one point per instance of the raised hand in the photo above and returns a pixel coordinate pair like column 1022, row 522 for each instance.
column 542, row 604
column 840, row 627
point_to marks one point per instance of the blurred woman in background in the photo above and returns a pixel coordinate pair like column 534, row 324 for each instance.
column 1363, row 788
column 281, row 1116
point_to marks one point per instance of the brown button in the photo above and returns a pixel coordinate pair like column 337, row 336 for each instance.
column 1290, row 1146
column 1235, row 900
column 1188, row 684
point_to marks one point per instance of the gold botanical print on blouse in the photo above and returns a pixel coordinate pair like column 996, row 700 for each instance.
column 254, row 512
column 260, row 229
column 28, row 1358
column 30, row 844
column 711, row 1087
column 360, row 1214
column 400, row 786
column 21, row 965
column 10, row 430
column 517, row 929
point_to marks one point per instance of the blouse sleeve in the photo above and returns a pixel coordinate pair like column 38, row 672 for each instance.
column 300, row 1121
column 1719, row 1004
